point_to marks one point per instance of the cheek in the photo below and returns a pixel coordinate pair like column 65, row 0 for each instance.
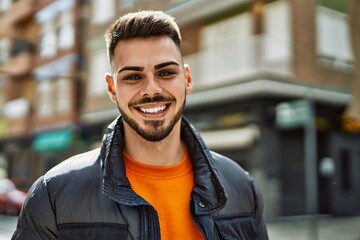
column 125, row 96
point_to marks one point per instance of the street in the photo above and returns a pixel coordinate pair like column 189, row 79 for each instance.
column 296, row 228
column 327, row 228
column 7, row 226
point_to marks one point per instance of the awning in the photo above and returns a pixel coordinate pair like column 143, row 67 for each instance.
column 232, row 138
column 52, row 141
column 266, row 87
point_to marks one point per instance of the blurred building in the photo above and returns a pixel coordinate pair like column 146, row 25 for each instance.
column 246, row 56
column 17, row 48
column 57, row 72
column 40, row 72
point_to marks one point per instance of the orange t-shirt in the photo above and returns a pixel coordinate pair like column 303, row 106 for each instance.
column 168, row 190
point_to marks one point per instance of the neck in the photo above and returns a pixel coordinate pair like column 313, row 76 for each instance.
column 167, row 152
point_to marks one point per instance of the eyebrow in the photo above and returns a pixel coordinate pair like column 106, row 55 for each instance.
column 141, row 69
column 131, row 68
column 165, row 64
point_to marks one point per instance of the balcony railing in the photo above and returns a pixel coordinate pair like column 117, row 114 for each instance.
column 239, row 59
column 17, row 56
column 20, row 65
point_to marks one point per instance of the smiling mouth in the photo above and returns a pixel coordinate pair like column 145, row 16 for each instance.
column 153, row 110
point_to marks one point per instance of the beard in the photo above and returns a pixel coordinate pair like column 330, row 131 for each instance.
column 155, row 131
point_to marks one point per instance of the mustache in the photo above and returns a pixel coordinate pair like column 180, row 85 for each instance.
column 155, row 99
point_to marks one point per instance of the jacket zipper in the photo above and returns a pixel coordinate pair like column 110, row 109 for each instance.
column 194, row 217
column 148, row 215
column 144, row 224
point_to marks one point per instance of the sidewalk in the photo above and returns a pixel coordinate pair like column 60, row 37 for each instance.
column 7, row 226
column 326, row 228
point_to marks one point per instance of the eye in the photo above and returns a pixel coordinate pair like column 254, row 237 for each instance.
column 166, row 73
column 132, row 77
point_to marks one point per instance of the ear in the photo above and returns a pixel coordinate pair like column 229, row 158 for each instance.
column 110, row 87
column 188, row 79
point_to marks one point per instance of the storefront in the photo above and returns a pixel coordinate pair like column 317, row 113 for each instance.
column 53, row 147
column 243, row 127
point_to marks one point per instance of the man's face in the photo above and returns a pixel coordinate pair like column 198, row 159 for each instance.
column 149, row 85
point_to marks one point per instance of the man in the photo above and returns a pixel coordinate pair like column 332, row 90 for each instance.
column 153, row 177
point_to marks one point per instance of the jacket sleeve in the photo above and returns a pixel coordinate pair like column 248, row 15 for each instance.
column 259, row 211
column 37, row 218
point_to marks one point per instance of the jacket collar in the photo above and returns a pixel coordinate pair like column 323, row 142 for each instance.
column 207, row 189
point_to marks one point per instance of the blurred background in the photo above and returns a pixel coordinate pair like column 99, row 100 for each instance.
column 276, row 84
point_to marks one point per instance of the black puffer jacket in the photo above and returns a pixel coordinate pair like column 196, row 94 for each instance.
column 89, row 197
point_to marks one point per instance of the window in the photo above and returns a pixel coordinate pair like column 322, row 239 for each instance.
column 98, row 67
column 103, row 11
column 333, row 39
column 66, row 36
column 44, row 101
column 229, row 29
column 233, row 39
column 277, row 46
column 63, row 95
column 48, row 41
column 220, row 40
column 57, row 27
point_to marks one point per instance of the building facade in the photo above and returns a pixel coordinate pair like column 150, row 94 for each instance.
column 40, row 79
column 17, row 49
column 252, row 62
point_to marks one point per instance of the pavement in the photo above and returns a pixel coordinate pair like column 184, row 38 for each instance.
column 288, row 228
column 7, row 226
column 320, row 228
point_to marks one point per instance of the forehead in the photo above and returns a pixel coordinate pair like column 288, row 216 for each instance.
column 145, row 52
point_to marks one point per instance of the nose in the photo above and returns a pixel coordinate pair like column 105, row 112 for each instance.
column 151, row 87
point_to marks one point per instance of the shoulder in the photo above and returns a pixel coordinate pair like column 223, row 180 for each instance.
column 71, row 171
column 68, row 181
column 58, row 193
column 74, row 164
column 67, row 177
column 243, row 193
column 228, row 168
column 74, row 173
column 238, row 183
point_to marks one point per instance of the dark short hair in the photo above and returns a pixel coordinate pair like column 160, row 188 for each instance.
column 141, row 24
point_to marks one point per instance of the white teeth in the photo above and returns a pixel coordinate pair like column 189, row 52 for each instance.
column 153, row 110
